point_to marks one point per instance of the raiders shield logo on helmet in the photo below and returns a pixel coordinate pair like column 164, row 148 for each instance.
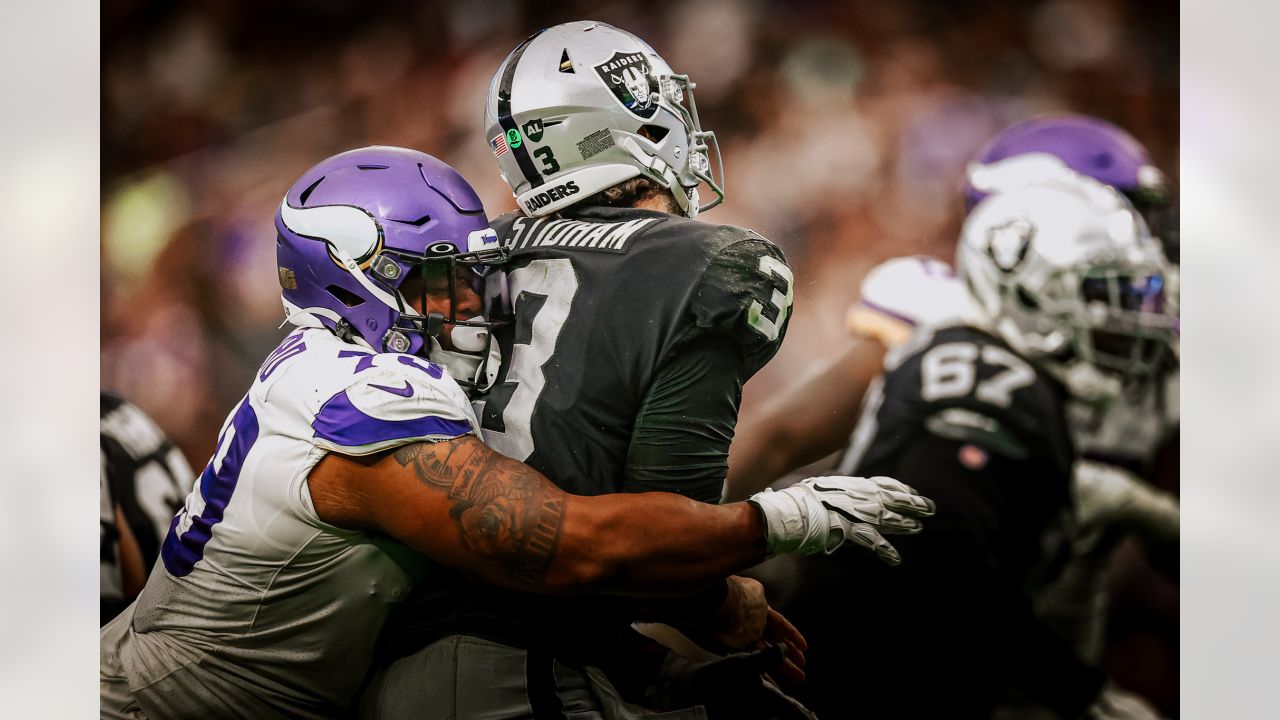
column 1008, row 243
column 631, row 80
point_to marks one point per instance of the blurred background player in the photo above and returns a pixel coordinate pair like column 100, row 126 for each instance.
column 1065, row 285
column 144, row 478
column 1037, row 149
column 352, row 450
column 1126, row 483
column 1126, row 433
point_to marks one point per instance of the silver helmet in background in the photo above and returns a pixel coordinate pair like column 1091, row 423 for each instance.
column 1068, row 274
column 583, row 106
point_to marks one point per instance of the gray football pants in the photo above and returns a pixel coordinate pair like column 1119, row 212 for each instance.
column 461, row 677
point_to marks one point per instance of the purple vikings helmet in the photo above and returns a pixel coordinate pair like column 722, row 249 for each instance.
column 355, row 227
column 1038, row 150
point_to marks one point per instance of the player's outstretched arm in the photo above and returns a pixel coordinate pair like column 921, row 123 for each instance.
column 471, row 508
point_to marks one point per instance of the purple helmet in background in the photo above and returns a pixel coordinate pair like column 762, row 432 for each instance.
column 1034, row 150
column 353, row 228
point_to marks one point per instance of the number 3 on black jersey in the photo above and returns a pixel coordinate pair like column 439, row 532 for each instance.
column 780, row 301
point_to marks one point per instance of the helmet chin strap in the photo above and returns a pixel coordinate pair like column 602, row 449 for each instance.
column 474, row 371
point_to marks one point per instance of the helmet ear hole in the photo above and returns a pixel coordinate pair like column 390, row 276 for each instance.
column 345, row 296
column 655, row 133
column 1025, row 299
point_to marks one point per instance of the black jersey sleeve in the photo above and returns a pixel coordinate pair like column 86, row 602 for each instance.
column 681, row 438
column 745, row 294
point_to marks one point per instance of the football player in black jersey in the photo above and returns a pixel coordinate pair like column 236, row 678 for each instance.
column 1067, row 292
column 635, row 328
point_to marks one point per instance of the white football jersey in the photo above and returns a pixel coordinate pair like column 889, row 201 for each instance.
column 257, row 608
column 902, row 295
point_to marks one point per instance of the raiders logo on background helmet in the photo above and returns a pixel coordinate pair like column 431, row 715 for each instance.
column 1008, row 243
column 631, row 80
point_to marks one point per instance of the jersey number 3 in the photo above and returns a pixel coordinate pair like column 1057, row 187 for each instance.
column 780, row 301
column 552, row 284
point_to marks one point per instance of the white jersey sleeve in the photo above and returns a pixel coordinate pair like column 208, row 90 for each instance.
column 903, row 294
column 391, row 401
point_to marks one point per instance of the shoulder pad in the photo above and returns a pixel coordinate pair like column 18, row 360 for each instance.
column 746, row 292
column 392, row 400
column 905, row 293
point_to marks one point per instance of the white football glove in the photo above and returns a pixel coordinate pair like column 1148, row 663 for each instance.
column 821, row 513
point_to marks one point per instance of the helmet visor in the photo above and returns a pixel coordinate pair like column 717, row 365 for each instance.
column 1128, row 327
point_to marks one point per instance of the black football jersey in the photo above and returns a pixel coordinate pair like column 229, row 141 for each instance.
column 602, row 301
column 610, row 306
column 966, row 421
column 1003, row 416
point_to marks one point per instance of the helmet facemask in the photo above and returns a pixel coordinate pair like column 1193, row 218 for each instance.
column 677, row 90
column 1098, row 327
column 429, row 280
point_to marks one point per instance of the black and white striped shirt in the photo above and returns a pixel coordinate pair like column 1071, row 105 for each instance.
column 146, row 478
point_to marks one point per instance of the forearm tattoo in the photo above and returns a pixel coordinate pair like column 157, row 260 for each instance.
column 504, row 509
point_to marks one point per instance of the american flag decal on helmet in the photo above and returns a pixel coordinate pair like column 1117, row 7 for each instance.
column 499, row 145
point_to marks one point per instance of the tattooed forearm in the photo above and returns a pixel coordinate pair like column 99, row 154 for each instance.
column 504, row 509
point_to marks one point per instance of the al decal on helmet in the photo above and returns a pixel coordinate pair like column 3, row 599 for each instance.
column 629, row 78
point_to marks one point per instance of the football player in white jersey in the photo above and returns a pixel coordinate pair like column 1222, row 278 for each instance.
column 353, row 458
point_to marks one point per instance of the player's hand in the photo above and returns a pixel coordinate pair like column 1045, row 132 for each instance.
column 820, row 514
column 746, row 622
column 778, row 631
column 1116, row 703
column 1109, row 495
column 734, row 687
column 740, row 623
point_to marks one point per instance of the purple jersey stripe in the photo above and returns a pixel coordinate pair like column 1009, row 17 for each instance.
column 886, row 311
column 342, row 423
column 180, row 553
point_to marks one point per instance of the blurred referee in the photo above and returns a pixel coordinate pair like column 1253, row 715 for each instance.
column 144, row 479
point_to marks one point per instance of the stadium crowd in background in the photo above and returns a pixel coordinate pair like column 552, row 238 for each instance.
column 845, row 128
